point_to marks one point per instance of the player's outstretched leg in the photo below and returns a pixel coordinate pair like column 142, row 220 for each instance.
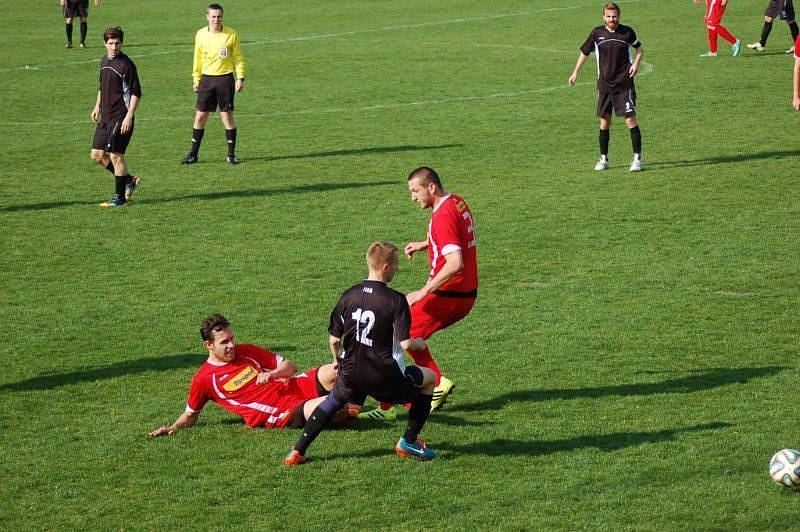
column 314, row 426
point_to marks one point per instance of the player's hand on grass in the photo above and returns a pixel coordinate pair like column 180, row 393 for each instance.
column 239, row 85
column 95, row 115
column 162, row 431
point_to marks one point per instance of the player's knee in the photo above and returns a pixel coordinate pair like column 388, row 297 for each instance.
column 767, row 19
column 428, row 380
column 630, row 121
column 116, row 158
column 710, row 27
column 97, row 155
column 69, row 21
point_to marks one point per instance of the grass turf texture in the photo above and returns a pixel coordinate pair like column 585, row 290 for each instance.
column 631, row 361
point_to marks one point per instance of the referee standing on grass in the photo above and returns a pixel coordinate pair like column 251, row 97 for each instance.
column 217, row 58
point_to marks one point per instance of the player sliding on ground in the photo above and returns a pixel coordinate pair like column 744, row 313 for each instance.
column 369, row 329
column 615, row 87
column 261, row 387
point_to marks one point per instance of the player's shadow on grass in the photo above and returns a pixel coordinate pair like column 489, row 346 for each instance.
column 705, row 380
column 724, row 159
column 503, row 447
column 355, row 151
column 239, row 193
column 120, row 369
column 603, row 442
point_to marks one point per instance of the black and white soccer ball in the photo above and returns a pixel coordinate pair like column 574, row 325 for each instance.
column 784, row 468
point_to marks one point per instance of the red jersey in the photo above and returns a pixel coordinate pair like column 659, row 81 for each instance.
column 233, row 387
column 452, row 228
column 797, row 47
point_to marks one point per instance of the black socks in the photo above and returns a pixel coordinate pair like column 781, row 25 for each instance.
column 69, row 32
column 197, row 137
column 636, row 140
column 417, row 416
column 605, row 136
column 230, row 135
column 83, row 32
column 765, row 33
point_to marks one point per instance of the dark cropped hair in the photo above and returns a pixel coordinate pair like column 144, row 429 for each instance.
column 212, row 324
column 114, row 32
column 427, row 175
column 215, row 6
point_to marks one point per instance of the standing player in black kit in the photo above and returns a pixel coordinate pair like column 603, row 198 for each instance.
column 117, row 100
column 369, row 331
column 615, row 90
column 80, row 9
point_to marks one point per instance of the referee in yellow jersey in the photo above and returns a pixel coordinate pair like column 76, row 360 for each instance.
column 218, row 73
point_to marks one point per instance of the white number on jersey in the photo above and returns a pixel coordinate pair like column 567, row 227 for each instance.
column 367, row 318
column 470, row 229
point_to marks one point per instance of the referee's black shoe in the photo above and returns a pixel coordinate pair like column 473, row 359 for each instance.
column 189, row 159
column 232, row 159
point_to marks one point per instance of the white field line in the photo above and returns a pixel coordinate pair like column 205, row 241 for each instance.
column 305, row 38
column 646, row 68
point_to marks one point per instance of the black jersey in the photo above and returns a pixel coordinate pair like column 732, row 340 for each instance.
column 371, row 319
column 613, row 56
column 118, row 82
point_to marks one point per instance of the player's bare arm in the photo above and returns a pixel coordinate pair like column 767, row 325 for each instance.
column 187, row 419
column 413, row 247
column 414, row 344
column 285, row 369
column 578, row 65
column 796, row 97
column 127, row 122
column 454, row 262
column 96, row 111
column 636, row 61
column 335, row 345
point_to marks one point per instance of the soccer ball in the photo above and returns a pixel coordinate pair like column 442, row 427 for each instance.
column 785, row 468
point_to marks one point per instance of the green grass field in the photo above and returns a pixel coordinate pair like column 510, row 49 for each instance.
column 632, row 358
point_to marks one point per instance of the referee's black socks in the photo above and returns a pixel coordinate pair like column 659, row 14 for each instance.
column 69, row 31
column 83, row 32
column 230, row 135
column 417, row 416
column 636, row 140
column 197, row 137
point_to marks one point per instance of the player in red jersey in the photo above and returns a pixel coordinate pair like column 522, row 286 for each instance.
column 796, row 82
column 260, row 386
column 715, row 9
column 452, row 286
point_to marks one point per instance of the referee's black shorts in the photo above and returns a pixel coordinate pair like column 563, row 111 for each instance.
column 107, row 136
column 215, row 91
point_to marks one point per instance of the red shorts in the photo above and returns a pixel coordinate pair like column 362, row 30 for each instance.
column 434, row 312
column 714, row 12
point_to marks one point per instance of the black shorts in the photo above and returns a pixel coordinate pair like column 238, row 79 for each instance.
column 399, row 388
column 779, row 9
column 215, row 90
column 108, row 138
column 298, row 419
column 623, row 103
column 74, row 9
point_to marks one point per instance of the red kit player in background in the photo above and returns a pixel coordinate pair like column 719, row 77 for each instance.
column 452, row 286
column 715, row 9
column 796, row 76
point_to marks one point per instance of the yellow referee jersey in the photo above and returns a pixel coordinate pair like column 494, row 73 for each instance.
column 217, row 53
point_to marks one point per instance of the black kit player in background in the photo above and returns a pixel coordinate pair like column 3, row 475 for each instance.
column 76, row 8
column 117, row 100
column 615, row 87
column 369, row 332
column 783, row 9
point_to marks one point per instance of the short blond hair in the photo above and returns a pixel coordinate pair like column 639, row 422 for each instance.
column 380, row 253
column 612, row 6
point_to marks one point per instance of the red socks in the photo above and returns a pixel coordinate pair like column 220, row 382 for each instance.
column 425, row 360
column 712, row 41
column 725, row 34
